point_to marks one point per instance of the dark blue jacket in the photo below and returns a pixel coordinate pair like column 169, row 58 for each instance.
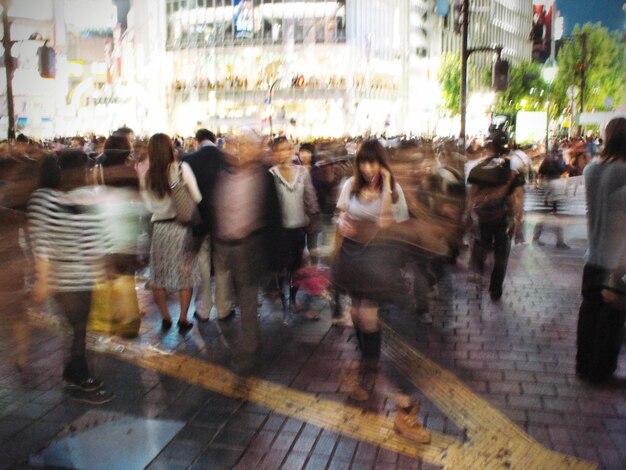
column 205, row 164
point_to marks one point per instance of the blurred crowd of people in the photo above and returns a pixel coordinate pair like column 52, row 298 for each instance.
column 80, row 218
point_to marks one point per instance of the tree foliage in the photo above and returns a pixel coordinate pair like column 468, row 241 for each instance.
column 605, row 67
column 449, row 77
column 526, row 90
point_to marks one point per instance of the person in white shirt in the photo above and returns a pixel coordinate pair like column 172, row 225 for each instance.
column 369, row 271
column 299, row 207
column 173, row 265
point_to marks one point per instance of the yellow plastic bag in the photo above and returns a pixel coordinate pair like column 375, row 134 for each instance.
column 114, row 307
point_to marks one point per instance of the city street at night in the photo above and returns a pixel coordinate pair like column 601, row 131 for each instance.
column 496, row 383
column 312, row 234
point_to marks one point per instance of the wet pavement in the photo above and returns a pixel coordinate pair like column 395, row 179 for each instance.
column 496, row 383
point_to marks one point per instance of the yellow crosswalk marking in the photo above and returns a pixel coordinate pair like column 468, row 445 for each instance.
column 494, row 441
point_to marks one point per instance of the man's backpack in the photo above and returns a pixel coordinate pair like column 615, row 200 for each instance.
column 491, row 171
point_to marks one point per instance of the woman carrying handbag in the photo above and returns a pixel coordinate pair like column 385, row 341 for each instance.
column 173, row 257
column 115, row 307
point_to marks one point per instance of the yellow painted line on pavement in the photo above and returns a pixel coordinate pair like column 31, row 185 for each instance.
column 328, row 414
column 494, row 440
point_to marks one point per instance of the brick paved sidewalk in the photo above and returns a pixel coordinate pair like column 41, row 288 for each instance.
column 517, row 354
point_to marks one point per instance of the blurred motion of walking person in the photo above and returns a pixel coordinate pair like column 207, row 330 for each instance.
column 550, row 171
column 173, row 257
column 493, row 203
column 521, row 163
column 18, row 179
column 603, row 309
column 69, row 246
column 122, row 208
column 370, row 272
column 246, row 233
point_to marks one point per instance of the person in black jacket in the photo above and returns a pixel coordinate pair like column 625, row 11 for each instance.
column 493, row 206
column 205, row 163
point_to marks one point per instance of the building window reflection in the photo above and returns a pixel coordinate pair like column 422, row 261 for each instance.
column 203, row 23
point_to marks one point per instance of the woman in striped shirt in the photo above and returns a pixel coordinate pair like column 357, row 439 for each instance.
column 69, row 246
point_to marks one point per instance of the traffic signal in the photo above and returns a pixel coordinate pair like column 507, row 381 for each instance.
column 298, row 81
column 458, row 16
column 47, row 61
column 500, row 75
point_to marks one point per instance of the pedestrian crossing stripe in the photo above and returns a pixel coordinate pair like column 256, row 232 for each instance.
column 493, row 440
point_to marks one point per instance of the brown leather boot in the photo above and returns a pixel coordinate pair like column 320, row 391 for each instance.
column 352, row 380
column 407, row 424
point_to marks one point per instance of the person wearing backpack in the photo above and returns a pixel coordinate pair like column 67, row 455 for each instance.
column 494, row 189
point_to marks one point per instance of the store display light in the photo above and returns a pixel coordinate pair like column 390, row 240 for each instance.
column 298, row 81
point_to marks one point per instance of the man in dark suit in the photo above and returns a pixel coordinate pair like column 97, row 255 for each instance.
column 205, row 163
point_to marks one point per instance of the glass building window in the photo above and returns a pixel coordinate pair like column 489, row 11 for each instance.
column 256, row 22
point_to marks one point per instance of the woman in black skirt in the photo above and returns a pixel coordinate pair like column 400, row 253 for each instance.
column 369, row 271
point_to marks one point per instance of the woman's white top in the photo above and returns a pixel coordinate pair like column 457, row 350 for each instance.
column 163, row 208
column 122, row 210
column 370, row 210
column 295, row 196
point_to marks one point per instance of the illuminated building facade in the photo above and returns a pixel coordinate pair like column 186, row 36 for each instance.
column 36, row 104
column 306, row 67
column 88, row 92
column 323, row 68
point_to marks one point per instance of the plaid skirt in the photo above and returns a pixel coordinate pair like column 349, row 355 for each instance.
column 173, row 257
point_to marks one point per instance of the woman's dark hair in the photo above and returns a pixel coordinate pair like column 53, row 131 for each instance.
column 615, row 135
column 309, row 147
column 371, row 151
column 161, row 156
column 116, row 170
column 73, row 166
column 117, row 149
column 277, row 141
column 205, row 134
column 49, row 172
column 20, row 173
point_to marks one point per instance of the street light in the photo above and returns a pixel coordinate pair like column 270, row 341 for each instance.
column 548, row 73
column 268, row 100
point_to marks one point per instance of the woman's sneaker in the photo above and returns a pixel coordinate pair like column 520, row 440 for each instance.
column 97, row 397
column 90, row 384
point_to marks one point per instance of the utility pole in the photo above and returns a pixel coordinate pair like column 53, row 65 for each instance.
column 464, row 58
column 465, row 54
column 9, row 65
column 583, row 78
